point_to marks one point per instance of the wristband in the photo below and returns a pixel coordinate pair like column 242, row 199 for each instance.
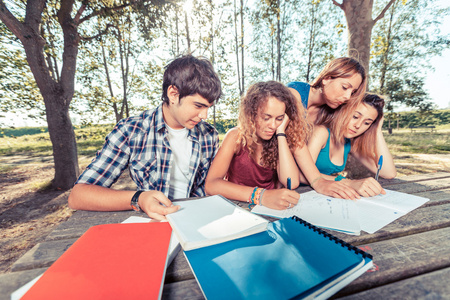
column 134, row 201
column 280, row 134
column 251, row 200
column 339, row 178
column 260, row 197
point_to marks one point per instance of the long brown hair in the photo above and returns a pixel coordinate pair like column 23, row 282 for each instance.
column 364, row 143
column 340, row 68
column 297, row 131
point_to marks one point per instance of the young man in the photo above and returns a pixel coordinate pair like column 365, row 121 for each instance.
column 168, row 150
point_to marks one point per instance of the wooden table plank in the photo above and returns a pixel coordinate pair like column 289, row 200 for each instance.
column 434, row 285
column 402, row 258
column 422, row 186
column 10, row 282
column 180, row 290
column 436, row 197
column 81, row 221
column 42, row 255
column 414, row 178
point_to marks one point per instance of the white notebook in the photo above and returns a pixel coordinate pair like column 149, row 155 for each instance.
column 212, row 220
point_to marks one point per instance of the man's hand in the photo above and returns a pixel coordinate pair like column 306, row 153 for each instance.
column 156, row 205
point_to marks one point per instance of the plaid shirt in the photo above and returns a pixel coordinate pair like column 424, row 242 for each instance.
column 141, row 144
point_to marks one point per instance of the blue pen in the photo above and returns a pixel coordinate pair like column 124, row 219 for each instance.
column 289, row 183
column 380, row 164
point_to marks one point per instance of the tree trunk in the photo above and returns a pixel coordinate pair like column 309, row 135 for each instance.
column 386, row 53
column 57, row 94
column 63, row 140
column 358, row 14
column 188, row 39
column 278, row 42
column 236, row 42
column 242, row 46
column 57, row 97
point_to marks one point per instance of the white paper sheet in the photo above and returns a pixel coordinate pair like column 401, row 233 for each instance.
column 320, row 210
column 378, row 211
column 368, row 214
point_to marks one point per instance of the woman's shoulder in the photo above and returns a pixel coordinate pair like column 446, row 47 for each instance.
column 230, row 139
column 232, row 133
column 321, row 130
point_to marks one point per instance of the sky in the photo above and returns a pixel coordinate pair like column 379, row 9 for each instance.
column 438, row 82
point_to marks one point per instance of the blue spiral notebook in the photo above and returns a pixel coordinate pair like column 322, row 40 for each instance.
column 292, row 259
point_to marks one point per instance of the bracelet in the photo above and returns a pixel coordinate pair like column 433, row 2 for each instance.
column 339, row 178
column 311, row 184
column 251, row 200
column 252, row 196
column 280, row 134
column 260, row 197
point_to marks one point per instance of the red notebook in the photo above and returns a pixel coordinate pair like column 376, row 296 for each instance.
column 114, row 261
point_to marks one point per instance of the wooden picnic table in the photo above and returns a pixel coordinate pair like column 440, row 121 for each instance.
column 411, row 255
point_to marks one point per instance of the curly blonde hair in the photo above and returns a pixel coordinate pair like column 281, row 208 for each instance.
column 254, row 101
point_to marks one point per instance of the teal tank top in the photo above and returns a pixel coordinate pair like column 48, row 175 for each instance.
column 303, row 89
column 324, row 163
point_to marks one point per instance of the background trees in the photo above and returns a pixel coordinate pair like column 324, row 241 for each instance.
column 49, row 33
column 109, row 56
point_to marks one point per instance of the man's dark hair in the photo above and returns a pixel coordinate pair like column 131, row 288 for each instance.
column 192, row 75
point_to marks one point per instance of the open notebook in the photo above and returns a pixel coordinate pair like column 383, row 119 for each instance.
column 211, row 220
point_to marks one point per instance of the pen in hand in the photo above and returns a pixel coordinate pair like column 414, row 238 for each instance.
column 289, row 183
column 380, row 164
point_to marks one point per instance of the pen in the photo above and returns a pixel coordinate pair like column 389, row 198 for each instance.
column 289, row 183
column 380, row 164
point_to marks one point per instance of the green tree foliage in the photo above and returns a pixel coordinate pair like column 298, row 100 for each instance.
column 321, row 35
column 49, row 32
column 402, row 44
column 18, row 91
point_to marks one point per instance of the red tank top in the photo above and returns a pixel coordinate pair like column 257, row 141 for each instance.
column 244, row 170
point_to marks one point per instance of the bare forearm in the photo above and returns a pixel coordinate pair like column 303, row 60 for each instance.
column 228, row 189
column 388, row 170
column 287, row 164
column 98, row 198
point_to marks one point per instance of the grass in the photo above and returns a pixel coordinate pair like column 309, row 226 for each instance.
column 424, row 142
column 91, row 139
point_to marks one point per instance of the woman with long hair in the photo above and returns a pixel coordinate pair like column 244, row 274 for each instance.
column 356, row 131
column 341, row 82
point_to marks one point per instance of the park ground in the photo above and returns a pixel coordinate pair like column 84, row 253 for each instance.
column 29, row 211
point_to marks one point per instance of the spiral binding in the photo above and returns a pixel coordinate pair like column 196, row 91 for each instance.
column 332, row 237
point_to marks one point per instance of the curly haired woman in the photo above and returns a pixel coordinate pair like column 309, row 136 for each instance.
column 256, row 158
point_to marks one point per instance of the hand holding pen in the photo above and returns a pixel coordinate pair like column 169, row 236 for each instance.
column 380, row 164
